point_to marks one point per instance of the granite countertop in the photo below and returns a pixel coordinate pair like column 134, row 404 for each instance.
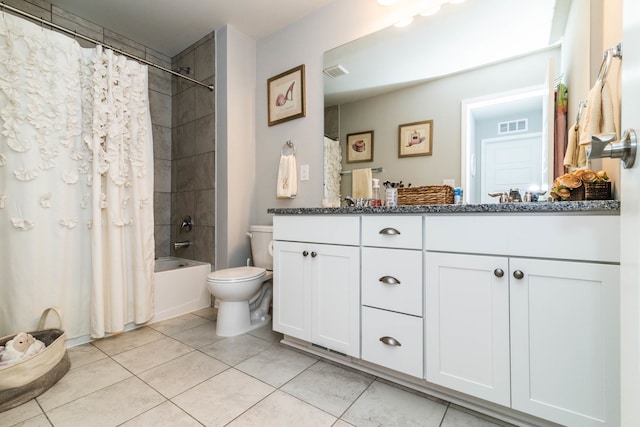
column 609, row 207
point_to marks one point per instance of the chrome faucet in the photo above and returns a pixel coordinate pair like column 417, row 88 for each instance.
column 181, row 245
column 187, row 224
column 350, row 201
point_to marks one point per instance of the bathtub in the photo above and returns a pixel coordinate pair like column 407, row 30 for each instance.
column 180, row 287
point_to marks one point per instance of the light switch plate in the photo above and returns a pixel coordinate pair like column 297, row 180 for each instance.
column 304, row 172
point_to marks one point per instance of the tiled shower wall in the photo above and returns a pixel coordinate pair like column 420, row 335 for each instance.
column 183, row 131
column 193, row 164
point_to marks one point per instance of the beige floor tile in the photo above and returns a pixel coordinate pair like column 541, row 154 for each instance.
column 267, row 333
column 164, row 415
column 151, row 355
column 179, row 324
column 20, row 413
column 276, row 365
column 457, row 418
column 283, row 410
column 182, row 373
column 208, row 313
column 341, row 423
column 126, row 341
column 81, row 382
column 329, row 387
column 110, row 406
column 39, row 421
column 83, row 354
column 222, row 398
column 382, row 404
column 233, row 350
column 200, row 336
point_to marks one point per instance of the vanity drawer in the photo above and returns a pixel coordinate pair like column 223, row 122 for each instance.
column 392, row 265
column 392, row 231
column 568, row 237
column 337, row 230
column 405, row 330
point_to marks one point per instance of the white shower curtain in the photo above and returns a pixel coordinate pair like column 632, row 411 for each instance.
column 76, row 209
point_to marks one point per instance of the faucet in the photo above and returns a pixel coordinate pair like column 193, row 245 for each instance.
column 181, row 245
column 187, row 224
column 350, row 201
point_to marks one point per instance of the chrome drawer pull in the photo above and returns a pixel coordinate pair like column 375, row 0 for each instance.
column 389, row 280
column 390, row 341
column 498, row 272
column 314, row 254
column 305, row 253
column 518, row 274
column 389, row 231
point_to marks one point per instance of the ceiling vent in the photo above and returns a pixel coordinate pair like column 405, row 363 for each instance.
column 335, row 71
column 512, row 126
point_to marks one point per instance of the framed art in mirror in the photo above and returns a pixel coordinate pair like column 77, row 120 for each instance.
column 415, row 139
column 360, row 147
column 286, row 97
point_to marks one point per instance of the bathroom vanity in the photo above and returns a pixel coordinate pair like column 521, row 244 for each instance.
column 511, row 310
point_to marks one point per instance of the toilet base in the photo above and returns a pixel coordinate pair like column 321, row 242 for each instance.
column 234, row 319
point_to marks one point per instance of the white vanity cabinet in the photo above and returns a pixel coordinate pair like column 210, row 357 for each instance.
column 523, row 318
column 392, row 331
column 316, row 283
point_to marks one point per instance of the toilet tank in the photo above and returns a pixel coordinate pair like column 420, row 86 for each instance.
column 261, row 245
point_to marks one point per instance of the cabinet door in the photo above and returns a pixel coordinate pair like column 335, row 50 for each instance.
column 292, row 289
column 335, row 288
column 467, row 324
column 565, row 341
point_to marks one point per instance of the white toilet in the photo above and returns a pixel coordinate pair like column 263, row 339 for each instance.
column 244, row 293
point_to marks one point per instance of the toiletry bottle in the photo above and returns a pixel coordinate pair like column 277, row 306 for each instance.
column 376, row 193
column 457, row 195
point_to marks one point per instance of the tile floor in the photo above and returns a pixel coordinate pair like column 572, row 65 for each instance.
column 179, row 373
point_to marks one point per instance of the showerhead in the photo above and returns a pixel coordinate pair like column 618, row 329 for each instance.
column 183, row 70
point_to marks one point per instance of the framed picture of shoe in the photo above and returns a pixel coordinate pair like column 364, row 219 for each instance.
column 360, row 147
column 415, row 139
column 285, row 93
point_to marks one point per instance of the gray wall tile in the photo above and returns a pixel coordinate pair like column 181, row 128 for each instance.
column 162, row 208
column 205, row 134
column 186, row 140
column 204, row 100
column 159, row 81
column 185, row 174
column 204, row 60
column 204, row 244
column 161, row 142
column 186, row 105
column 160, row 106
column 162, row 175
column 205, row 208
column 162, row 234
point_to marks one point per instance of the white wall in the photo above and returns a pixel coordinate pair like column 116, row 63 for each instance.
column 235, row 145
column 304, row 43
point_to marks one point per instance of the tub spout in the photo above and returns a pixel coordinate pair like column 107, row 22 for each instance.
column 180, row 245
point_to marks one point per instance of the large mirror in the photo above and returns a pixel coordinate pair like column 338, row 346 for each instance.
column 480, row 71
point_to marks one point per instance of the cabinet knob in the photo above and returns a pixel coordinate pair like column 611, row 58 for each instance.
column 518, row 274
column 389, row 231
column 390, row 341
column 305, row 253
column 389, row 280
column 498, row 272
column 314, row 254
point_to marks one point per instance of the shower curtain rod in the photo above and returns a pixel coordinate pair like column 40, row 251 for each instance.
column 3, row 5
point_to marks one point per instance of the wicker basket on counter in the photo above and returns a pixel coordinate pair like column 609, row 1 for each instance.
column 426, row 195
column 599, row 190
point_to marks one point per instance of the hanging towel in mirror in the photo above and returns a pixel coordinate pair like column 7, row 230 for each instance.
column 287, row 185
column 361, row 183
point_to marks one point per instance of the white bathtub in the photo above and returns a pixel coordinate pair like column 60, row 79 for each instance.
column 180, row 287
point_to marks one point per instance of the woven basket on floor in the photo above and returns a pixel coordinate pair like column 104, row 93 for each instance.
column 426, row 195
column 29, row 378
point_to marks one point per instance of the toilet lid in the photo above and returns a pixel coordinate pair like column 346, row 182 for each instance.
column 236, row 274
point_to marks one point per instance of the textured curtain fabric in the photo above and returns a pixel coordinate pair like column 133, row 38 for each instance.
column 332, row 169
column 75, row 184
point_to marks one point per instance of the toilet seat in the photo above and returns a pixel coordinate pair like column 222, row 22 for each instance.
column 236, row 274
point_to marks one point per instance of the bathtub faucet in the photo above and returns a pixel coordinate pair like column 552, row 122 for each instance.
column 180, row 245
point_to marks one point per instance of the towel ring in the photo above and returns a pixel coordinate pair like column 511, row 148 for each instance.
column 288, row 146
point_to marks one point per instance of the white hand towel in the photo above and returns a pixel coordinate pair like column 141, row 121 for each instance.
column 361, row 183
column 287, row 184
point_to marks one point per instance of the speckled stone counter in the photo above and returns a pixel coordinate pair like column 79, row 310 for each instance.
column 607, row 207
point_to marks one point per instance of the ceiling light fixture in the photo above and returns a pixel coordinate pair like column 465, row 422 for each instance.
column 430, row 11
column 386, row 2
column 404, row 22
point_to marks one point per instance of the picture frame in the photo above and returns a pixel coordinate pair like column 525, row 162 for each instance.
column 415, row 139
column 286, row 96
column 360, row 147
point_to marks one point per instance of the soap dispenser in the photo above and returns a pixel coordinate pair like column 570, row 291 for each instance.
column 375, row 191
